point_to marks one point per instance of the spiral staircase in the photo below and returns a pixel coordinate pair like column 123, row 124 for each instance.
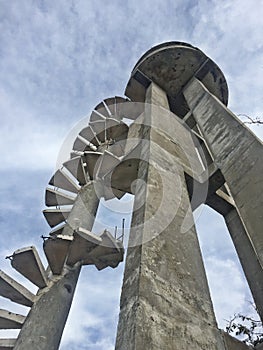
column 100, row 156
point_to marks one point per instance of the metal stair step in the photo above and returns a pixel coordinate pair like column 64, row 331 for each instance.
column 56, row 216
column 56, row 198
column 61, row 180
column 14, row 291
column 76, row 168
column 27, row 262
column 56, row 251
column 9, row 320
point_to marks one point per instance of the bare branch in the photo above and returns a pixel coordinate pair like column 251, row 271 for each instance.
column 250, row 120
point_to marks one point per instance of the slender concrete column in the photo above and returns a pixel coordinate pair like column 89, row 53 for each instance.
column 237, row 152
column 46, row 320
column 165, row 302
column 248, row 258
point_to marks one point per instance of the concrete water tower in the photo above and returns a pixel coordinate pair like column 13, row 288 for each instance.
column 174, row 145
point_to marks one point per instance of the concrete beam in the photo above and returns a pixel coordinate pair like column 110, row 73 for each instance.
column 247, row 256
column 238, row 154
column 27, row 262
column 55, row 198
column 90, row 135
column 82, row 212
column 108, row 162
column 7, row 344
column 165, row 302
column 84, row 242
column 9, row 320
column 55, row 217
column 61, row 180
column 116, row 130
column 46, row 319
column 56, row 250
column 92, row 160
column 76, row 168
column 99, row 129
column 88, row 249
column 14, row 291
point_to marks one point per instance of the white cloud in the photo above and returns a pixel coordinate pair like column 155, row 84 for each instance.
column 93, row 318
column 25, row 141
column 227, row 287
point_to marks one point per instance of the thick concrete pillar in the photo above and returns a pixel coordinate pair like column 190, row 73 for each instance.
column 165, row 302
column 237, row 152
column 248, row 258
column 46, row 320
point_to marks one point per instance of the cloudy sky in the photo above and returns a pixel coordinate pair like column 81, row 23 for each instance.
column 59, row 59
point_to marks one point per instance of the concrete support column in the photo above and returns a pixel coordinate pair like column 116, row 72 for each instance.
column 165, row 302
column 248, row 258
column 237, row 152
column 46, row 320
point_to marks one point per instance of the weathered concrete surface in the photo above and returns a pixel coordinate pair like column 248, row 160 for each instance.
column 7, row 344
column 232, row 343
column 165, row 302
column 55, row 217
column 237, row 152
column 48, row 315
column 45, row 323
column 56, row 198
column 62, row 180
column 9, row 320
column 76, row 168
column 56, row 251
column 28, row 263
column 82, row 245
column 14, row 291
column 171, row 65
column 247, row 256
column 85, row 205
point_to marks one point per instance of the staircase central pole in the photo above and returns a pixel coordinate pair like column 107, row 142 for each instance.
column 44, row 325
